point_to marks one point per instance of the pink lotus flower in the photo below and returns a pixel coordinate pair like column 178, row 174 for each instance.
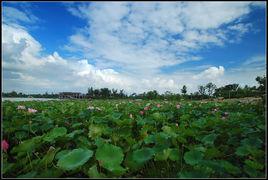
column 30, row 110
column 146, row 108
column 131, row 116
column 21, row 107
column 5, row 145
column 141, row 112
column 158, row 105
column 178, row 106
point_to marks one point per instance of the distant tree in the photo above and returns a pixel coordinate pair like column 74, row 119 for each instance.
column 262, row 83
column 96, row 93
column 114, row 93
column 90, row 92
column 184, row 90
column 210, row 88
column 13, row 94
column 202, row 90
column 152, row 94
column 105, row 92
column 121, row 93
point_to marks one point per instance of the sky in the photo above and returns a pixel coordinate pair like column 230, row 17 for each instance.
column 135, row 46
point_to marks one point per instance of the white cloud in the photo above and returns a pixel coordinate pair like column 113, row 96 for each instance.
column 129, row 44
column 51, row 71
column 205, row 15
column 255, row 60
column 13, row 15
column 211, row 73
column 140, row 36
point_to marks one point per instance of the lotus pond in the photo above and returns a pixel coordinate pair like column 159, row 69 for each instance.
column 135, row 139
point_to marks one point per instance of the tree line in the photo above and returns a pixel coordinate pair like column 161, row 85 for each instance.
column 22, row 95
column 205, row 91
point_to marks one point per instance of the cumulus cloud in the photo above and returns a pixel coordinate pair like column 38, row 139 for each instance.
column 143, row 37
column 211, row 73
column 47, row 71
column 129, row 43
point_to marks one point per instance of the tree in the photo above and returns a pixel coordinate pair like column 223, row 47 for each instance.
column 152, row 94
column 262, row 83
column 210, row 88
column 121, row 93
column 202, row 90
column 184, row 90
column 105, row 92
column 96, row 93
column 90, row 92
column 114, row 93
column 13, row 94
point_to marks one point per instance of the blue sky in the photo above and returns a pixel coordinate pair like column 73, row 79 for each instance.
column 56, row 46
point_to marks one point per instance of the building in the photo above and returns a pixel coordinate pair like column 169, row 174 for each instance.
column 71, row 95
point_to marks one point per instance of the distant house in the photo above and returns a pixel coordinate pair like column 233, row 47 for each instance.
column 71, row 95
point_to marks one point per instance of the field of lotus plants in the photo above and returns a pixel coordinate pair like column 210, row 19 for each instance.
column 131, row 138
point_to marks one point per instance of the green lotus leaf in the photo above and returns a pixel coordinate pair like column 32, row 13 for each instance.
column 252, row 172
column 94, row 173
column 62, row 153
column 48, row 158
column 28, row 145
column 212, row 153
column 95, row 131
column 74, row 159
column 214, row 165
column 174, row 154
column 131, row 163
column 209, row 139
column 242, row 151
column 110, row 156
column 149, row 139
column 254, row 164
column 75, row 132
column 230, row 168
column 163, row 155
column 75, row 125
column 143, row 155
column 157, row 116
column 193, row 157
column 55, row 133
column 21, row 134
column 116, row 115
column 256, row 142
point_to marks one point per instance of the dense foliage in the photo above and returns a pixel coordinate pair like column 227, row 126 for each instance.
column 123, row 138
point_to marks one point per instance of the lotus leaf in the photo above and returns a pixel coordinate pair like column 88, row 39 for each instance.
column 193, row 157
column 143, row 155
column 55, row 133
column 74, row 159
column 110, row 157
column 94, row 173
